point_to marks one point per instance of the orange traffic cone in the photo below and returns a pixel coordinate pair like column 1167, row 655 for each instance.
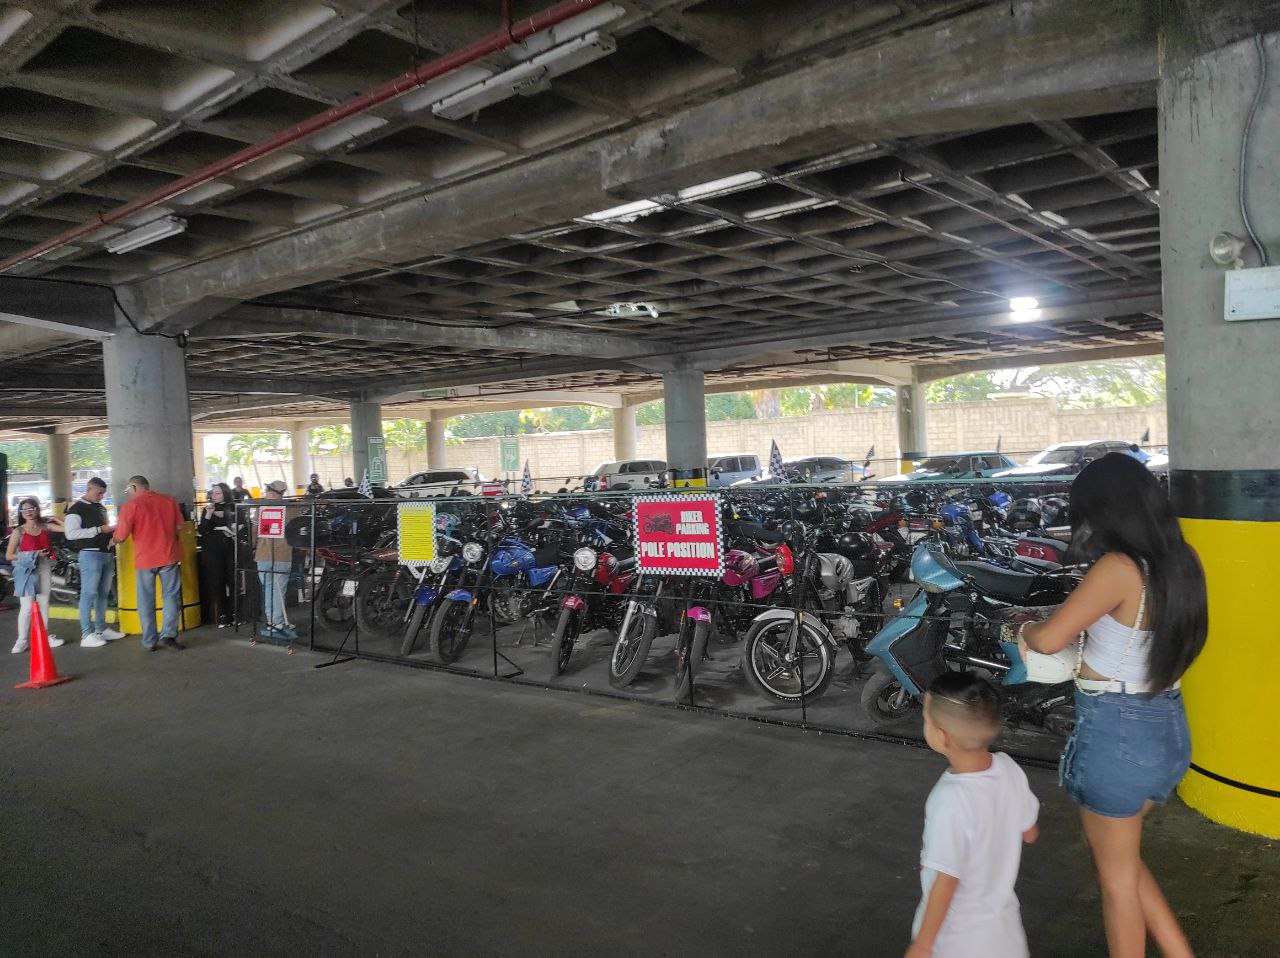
column 43, row 673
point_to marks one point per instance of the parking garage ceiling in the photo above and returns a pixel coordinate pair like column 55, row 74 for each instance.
column 365, row 260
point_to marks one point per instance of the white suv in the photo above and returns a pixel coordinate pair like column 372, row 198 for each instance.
column 627, row 474
column 440, row 482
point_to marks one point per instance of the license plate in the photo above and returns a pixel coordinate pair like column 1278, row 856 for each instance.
column 317, row 569
column 349, row 588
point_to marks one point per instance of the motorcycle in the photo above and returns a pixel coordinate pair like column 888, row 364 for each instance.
column 591, row 598
column 954, row 623
column 789, row 654
column 432, row 587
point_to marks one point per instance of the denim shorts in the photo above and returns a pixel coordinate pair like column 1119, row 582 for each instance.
column 1126, row 750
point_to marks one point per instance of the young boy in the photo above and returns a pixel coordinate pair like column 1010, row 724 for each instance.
column 975, row 821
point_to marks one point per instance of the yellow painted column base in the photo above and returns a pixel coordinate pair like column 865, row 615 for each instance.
column 127, row 587
column 1232, row 691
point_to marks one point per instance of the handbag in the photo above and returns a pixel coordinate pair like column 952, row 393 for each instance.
column 1064, row 665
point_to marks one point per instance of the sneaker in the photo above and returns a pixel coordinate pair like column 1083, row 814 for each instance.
column 288, row 632
column 169, row 642
column 111, row 634
column 267, row 633
column 20, row 646
column 93, row 640
column 54, row 642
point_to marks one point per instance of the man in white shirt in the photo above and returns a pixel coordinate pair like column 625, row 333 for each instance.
column 88, row 533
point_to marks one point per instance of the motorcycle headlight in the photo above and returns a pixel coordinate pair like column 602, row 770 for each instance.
column 584, row 559
column 472, row 551
column 440, row 565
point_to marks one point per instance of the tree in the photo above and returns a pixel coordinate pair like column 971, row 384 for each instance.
column 767, row 402
column 25, row 456
column 91, row 452
column 332, row 441
column 249, row 448
column 1121, row 382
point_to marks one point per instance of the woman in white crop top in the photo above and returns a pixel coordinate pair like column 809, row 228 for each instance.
column 1145, row 614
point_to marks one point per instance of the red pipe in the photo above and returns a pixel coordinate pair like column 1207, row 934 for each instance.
column 510, row 35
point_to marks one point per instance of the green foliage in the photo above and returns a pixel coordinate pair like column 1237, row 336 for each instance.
column 405, row 433
column 728, row 406
column 330, row 440
column 25, row 456
column 651, row 413
column 92, row 452
column 1121, row 382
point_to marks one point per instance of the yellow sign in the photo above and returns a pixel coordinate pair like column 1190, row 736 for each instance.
column 417, row 533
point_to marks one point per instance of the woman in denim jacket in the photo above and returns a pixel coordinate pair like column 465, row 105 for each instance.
column 29, row 549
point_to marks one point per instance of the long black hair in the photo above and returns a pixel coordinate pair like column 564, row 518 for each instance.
column 228, row 502
column 1118, row 506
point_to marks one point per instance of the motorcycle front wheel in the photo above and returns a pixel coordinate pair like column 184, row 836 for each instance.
column 688, row 658
column 772, row 676
column 413, row 628
column 450, row 630
column 564, row 638
column 333, row 608
column 382, row 598
column 885, row 701
column 631, row 650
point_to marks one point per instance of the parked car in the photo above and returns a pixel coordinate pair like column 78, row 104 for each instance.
column 726, row 470
column 441, row 482
column 626, row 474
column 1064, row 459
column 958, row 465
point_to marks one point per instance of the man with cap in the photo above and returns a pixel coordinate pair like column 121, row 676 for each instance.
column 274, row 558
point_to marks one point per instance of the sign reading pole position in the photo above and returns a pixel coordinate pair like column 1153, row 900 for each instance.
column 417, row 527
column 679, row 534
column 271, row 522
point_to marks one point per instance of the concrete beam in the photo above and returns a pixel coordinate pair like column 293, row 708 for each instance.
column 1042, row 59
column 87, row 381
column 22, row 340
column 72, row 309
column 409, row 388
column 933, row 371
column 251, row 321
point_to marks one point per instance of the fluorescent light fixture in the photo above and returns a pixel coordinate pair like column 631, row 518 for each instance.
column 436, row 90
column 625, row 213
column 781, row 209
column 1024, row 304
column 528, row 77
column 153, row 232
column 631, row 309
column 723, row 185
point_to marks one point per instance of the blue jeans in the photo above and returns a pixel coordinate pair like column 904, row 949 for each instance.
column 274, row 576
column 97, row 570
column 1126, row 750
column 171, row 590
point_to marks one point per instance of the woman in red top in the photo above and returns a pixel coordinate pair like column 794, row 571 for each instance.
column 29, row 550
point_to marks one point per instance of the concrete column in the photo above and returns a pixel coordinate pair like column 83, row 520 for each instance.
column 299, row 441
column 436, row 452
column 197, row 461
column 913, row 429
column 624, row 432
column 148, row 413
column 684, row 401
column 1224, row 416
column 58, row 460
column 366, row 423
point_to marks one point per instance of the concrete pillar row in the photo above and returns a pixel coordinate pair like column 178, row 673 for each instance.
column 913, row 423
column 58, row 461
column 148, row 413
column 437, row 457
column 300, row 443
column 684, row 402
column 366, row 424
column 624, row 432
column 1224, row 416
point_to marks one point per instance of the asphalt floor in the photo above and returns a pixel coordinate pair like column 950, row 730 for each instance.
column 232, row 799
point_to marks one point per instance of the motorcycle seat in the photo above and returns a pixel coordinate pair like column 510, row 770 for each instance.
column 755, row 532
column 1002, row 583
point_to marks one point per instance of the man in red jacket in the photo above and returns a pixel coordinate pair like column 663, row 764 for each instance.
column 153, row 520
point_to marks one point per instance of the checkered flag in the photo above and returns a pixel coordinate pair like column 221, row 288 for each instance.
column 366, row 487
column 526, row 481
column 776, row 471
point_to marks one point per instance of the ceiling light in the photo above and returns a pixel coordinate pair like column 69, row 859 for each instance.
column 153, row 232
column 526, row 78
column 1225, row 249
column 722, row 185
column 625, row 213
column 1024, row 304
column 631, row 309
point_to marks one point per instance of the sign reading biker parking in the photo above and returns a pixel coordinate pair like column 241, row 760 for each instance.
column 678, row 534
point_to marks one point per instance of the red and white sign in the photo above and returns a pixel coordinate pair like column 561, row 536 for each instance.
column 271, row 522
column 492, row 488
column 679, row 534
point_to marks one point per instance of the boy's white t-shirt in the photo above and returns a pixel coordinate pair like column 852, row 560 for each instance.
column 973, row 825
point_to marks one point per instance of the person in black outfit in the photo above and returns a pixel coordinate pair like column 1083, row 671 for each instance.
column 218, row 552
column 314, row 488
column 239, row 493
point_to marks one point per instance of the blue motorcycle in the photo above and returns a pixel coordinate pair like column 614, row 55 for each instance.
column 953, row 623
column 435, row 583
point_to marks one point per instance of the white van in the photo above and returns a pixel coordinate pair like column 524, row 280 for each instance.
column 626, row 474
